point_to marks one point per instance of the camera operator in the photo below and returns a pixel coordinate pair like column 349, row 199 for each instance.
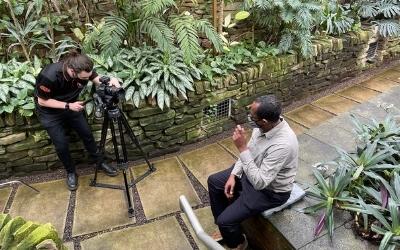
column 57, row 89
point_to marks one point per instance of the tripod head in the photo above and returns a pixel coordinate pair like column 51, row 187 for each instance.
column 107, row 97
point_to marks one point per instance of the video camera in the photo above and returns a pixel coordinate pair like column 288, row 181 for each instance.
column 106, row 97
column 109, row 95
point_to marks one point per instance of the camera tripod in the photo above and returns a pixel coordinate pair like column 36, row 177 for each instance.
column 114, row 114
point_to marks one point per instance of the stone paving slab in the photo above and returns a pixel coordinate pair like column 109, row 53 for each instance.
column 69, row 245
column 163, row 234
column 391, row 74
column 206, row 220
column 389, row 97
column 343, row 238
column 312, row 150
column 335, row 104
column 397, row 68
column 48, row 206
column 228, row 144
column 334, row 136
column 369, row 110
column 309, row 116
column 159, row 192
column 298, row 228
column 4, row 195
column 343, row 121
column 207, row 160
column 358, row 93
column 304, row 174
column 297, row 128
column 379, row 84
column 98, row 208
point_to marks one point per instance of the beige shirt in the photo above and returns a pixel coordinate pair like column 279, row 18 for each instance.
column 271, row 159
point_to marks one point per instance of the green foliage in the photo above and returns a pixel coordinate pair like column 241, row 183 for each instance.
column 288, row 22
column 389, row 226
column 337, row 18
column 150, row 73
column 384, row 13
column 238, row 55
column 30, row 25
column 105, row 37
column 367, row 182
column 331, row 194
column 162, row 23
column 16, row 233
column 16, row 86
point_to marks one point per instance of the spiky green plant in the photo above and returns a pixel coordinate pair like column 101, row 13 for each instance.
column 331, row 194
column 389, row 226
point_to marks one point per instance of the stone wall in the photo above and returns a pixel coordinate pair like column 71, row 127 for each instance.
column 26, row 148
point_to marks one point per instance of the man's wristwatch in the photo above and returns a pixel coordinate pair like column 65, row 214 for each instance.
column 67, row 106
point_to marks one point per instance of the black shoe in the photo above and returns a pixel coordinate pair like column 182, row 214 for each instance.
column 72, row 181
column 108, row 170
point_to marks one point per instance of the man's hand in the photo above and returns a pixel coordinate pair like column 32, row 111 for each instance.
column 114, row 82
column 239, row 138
column 76, row 106
column 230, row 186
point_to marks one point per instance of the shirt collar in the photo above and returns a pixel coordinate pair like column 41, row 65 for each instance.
column 273, row 131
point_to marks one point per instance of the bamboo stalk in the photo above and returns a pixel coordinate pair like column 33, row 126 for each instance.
column 215, row 13
column 15, row 20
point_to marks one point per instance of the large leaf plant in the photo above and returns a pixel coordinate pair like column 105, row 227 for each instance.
column 16, row 86
column 147, row 72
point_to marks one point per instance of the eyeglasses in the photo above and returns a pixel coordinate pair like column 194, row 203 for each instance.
column 250, row 118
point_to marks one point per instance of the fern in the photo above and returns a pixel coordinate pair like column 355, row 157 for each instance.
column 112, row 35
column 205, row 27
column 158, row 31
column 151, row 8
column 187, row 37
column 286, row 42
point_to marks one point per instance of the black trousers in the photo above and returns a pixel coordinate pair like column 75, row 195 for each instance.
column 56, row 125
column 247, row 202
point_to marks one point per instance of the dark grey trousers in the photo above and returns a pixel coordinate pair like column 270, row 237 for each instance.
column 247, row 202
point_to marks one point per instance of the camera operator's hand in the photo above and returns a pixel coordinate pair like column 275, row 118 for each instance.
column 114, row 82
column 76, row 106
column 230, row 186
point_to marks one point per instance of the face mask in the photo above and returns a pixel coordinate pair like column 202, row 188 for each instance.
column 252, row 123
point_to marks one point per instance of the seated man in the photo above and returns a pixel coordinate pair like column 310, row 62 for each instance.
column 262, row 177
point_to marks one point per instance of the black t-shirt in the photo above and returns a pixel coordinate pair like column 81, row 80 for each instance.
column 53, row 82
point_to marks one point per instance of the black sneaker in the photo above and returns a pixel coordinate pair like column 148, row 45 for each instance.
column 108, row 170
column 72, row 181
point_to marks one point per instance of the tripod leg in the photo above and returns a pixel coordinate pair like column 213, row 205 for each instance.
column 128, row 195
column 135, row 140
column 115, row 143
column 101, row 146
column 125, row 167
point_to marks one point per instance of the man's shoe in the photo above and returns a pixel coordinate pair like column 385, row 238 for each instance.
column 72, row 181
column 108, row 170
